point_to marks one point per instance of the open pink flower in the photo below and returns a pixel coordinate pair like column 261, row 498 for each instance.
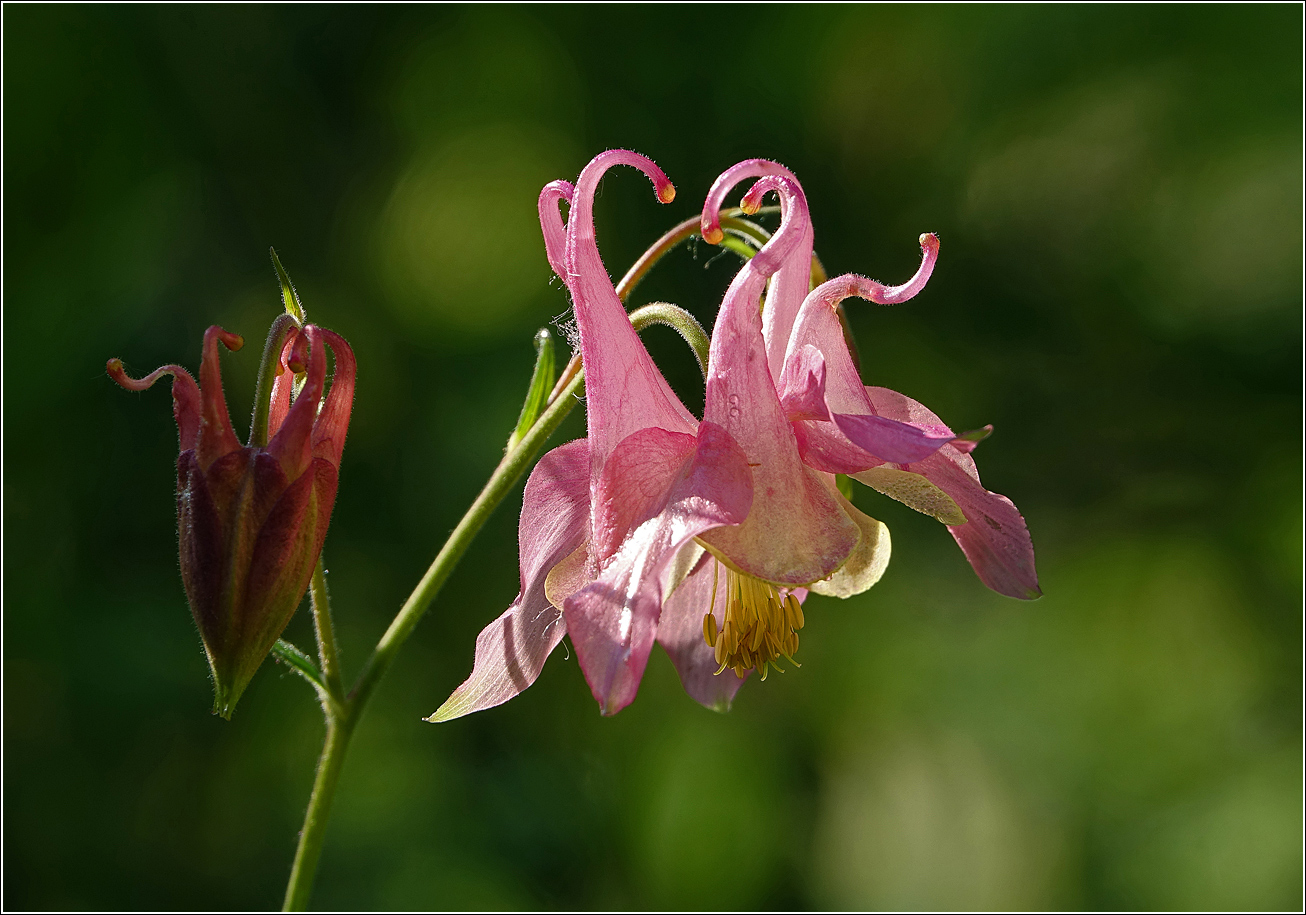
column 878, row 436
column 251, row 520
column 701, row 535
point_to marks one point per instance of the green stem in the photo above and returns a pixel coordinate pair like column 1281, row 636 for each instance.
column 505, row 476
column 679, row 320
column 683, row 231
column 343, row 715
column 327, row 653
column 300, row 887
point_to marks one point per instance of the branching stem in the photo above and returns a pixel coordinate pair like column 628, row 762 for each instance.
column 341, row 710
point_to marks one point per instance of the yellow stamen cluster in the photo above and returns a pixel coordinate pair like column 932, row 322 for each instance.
column 760, row 625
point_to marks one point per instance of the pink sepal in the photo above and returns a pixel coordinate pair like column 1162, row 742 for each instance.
column 216, row 437
column 511, row 651
column 292, row 445
column 333, row 420
column 680, row 633
column 994, row 538
column 551, row 224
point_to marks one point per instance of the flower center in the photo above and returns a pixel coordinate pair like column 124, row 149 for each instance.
column 760, row 625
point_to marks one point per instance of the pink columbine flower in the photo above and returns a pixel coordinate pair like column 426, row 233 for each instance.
column 703, row 535
column 877, row 436
column 251, row 520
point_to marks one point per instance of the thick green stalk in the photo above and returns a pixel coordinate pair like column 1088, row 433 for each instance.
column 300, row 887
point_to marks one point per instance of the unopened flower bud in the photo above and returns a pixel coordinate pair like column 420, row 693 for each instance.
column 251, row 519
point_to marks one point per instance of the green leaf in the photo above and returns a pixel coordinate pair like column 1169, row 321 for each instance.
column 541, row 384
column 289, row 297
column 300, row 663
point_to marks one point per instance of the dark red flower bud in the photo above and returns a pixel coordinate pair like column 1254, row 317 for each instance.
column 251, row 519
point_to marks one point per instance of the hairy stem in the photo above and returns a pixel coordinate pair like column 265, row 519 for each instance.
column 327, row 653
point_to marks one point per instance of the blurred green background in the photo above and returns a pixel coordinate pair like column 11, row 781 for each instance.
column 1118, row 191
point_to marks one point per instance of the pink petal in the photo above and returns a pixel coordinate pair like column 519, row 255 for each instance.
column 796, row 532
column 817, row 324
column 613, row 621
column 680, row 633
column 333, row 420
column 818, row 329
column 216, row 437
column 510, row 652
column 818, row 335
column 555, row 232
column 791, row 282
column 185, row 396
column 292, row 445
column 624, row 390
column 802, row 390
column 282, row 386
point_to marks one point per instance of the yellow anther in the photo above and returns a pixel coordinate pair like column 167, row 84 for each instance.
column 758, row 626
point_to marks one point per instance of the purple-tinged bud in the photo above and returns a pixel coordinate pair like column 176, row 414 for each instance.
column 251, row 520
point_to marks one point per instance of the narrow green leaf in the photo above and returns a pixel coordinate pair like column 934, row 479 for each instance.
column 289, row 297
column 299, row 662
column 541, row 384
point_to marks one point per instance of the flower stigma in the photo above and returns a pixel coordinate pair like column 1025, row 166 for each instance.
column 761, row 624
